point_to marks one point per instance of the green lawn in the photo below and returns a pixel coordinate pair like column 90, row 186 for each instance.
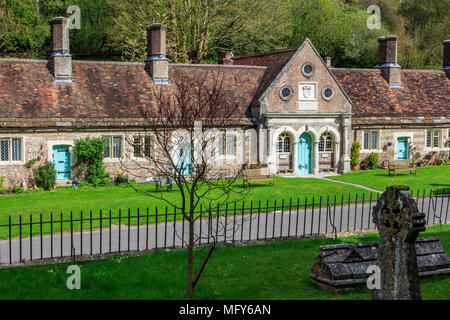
column 429, row 178
column 277, row 270
column 70, row 199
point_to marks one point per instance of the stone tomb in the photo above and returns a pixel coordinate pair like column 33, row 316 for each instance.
column 344, row 266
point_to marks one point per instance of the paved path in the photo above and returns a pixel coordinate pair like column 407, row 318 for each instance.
column 352, row 184
column 263, row 225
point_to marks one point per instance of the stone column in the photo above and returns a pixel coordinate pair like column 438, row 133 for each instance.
column 344, row 163
column 337, row 153
column 316, row 158
column 294, row 156
column 399, row 222
column 271, row 161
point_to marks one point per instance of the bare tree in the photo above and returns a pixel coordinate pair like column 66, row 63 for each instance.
column 184, row 129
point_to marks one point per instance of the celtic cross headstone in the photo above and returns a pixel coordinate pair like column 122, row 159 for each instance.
column 399, row 222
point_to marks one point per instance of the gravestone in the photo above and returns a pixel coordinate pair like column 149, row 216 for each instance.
column 343, row 267
column 399, row 222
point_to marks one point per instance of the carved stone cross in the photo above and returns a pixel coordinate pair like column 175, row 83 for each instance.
column 399, row 222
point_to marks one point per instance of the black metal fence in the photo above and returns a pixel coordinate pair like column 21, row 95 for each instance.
column 28, row 238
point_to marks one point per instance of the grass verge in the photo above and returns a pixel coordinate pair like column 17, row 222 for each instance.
column 278, row 270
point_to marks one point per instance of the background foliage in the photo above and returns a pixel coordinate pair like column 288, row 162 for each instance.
column 199, row 31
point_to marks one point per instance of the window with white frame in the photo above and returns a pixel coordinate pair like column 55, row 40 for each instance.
column 326, row 142
column 10, row 149
column 227, row 145
column 113, row 147
column 433, row 139
column 370, row 140
column 284, row 143
column 143, row 146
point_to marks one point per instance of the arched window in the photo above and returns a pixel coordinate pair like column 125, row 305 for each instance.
column 326, row 142
column 284, row 143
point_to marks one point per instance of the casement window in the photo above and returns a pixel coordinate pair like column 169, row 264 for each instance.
column 284, row 143
column 143, row 147
column 326, row 142
column 433, row 138
column 113, row 147
column 10, row 149
column 370, row 140
column 227, row 145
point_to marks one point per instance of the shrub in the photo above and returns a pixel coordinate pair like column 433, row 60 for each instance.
column 354, row 161
column 89, row 166
column 372, row 159
column 84, row 184
column 19, row 190
column 2, row 187
column 45, row 176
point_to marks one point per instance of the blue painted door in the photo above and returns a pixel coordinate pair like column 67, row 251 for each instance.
column 402, row 148
column 61, row 160
column 304, row 154
column 184, row 160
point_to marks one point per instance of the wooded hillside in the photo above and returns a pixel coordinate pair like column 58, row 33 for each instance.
column 199, row 31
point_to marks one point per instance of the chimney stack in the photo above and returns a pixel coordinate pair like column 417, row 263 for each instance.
column 228, row 59
column 387, row 60
column 328, row 61
column 157, row 63
column 61, row 60
column 446, row 57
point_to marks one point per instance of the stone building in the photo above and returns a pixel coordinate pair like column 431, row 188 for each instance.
column 297, row 113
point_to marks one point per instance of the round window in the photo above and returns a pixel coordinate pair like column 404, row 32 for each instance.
column 307, row 69
column 286, row 92
column 327, row 93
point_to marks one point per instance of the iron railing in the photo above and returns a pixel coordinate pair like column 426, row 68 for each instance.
column 62, row 236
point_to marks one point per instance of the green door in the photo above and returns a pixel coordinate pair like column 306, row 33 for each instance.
column 402, row 148
column 61, row 160
column 184, row 160
column 304, row 154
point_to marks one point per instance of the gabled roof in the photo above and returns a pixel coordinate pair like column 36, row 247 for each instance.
column 278, row 62
column 105, row 89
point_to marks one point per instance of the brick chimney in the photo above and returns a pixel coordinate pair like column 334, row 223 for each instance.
column 446, row 57
column 157, row 63
column 228, row 59
column 328, row 61
column 387, row 60
column 60, row 59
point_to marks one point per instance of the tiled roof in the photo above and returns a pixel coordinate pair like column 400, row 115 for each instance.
column 105, row 89
column 423, row 93
column 274, row 61
column 114, row 90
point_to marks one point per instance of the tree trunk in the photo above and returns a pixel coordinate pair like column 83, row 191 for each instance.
column 190, row 275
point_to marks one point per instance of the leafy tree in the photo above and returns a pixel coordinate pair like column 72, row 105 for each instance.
column 89, row 156
column 337, row 29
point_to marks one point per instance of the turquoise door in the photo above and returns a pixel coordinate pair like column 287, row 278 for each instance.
column 402, row 148
column 304, row 154
column 184, row 160
column 61, row 160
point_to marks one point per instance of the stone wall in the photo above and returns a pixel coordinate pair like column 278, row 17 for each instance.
column 39, row 146
column 416, row 140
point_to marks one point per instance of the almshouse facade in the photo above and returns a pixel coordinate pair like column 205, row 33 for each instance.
column 297, row 113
